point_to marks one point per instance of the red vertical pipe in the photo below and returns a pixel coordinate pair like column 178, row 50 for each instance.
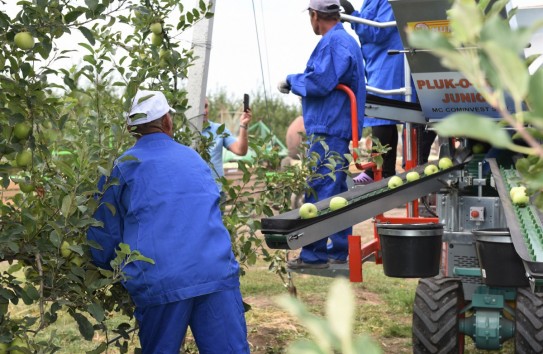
column 355, row 258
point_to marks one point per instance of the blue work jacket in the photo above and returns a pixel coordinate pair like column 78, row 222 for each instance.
column 335, row 60
column 383, row 71
column 167, row 207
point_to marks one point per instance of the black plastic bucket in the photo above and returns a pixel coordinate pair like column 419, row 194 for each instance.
column 411, row 250
column 500, row 264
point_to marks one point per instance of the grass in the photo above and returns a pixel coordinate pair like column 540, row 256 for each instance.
column 384, row 312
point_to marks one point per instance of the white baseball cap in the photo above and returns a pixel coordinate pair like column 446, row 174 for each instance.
column 324, row 5
column 148, row 106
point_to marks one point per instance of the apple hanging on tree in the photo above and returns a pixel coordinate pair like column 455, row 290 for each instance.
column 24, row 40
column 156, row 28
column 21, row 130
column 23, row 158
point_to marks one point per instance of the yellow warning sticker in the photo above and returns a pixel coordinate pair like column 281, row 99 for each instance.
column 436, row 26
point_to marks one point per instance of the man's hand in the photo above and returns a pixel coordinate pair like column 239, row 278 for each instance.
column 283, row 86
column 246, row 118
column 347, row 6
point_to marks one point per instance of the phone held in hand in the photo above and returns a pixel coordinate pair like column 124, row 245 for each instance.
column 245, row 102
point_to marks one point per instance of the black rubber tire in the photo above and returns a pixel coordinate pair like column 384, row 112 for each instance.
column 529, row 322
column 436, row 316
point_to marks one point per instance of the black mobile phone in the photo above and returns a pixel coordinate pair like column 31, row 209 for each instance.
column 245, row 102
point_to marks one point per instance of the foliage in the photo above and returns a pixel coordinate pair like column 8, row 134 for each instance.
column 489, row 53
column 77, row 130
column 333, row 335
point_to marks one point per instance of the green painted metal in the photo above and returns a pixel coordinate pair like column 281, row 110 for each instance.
column 467, row 272
column 487, row 326
column 530, row 224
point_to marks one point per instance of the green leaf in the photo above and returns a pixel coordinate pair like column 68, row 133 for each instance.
column 466, row 21
column 139, row 257
column 32, row 292
column 72, row 16
column 340, row 309
column 306, row 347
column 55, row 239
column 66, row 208
column 474, row 126
column 96, row 311
column 425, row 39
column 510, row 68
column 498, row 30
column 534, row 93
column 91, row 4
column 85, row 327
column 88, row 34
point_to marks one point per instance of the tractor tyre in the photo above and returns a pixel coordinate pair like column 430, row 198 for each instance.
column 529, row 322
column 436, row 316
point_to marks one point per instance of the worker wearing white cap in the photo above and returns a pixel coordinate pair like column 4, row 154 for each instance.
column 327, row 116
column 166, row 207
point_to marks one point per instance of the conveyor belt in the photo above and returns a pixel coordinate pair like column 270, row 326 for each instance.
column 524, row 223
column 288, row 231
column 385, row 108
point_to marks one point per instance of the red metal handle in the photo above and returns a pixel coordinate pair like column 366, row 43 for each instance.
column 354, row 121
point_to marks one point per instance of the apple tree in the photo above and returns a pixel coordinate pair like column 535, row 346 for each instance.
column 62, row 126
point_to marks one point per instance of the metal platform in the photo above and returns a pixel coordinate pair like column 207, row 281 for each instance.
column 385, row 108
column 289, row 231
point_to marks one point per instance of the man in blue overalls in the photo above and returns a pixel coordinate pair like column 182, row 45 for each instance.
column 167, row 207
column 327, row 115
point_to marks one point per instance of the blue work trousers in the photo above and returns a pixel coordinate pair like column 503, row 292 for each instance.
column 217, row 321
column 320, row 251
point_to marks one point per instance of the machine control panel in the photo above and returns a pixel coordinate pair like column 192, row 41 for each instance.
column 477, row 213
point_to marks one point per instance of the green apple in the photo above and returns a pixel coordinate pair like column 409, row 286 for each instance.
column 430, row 170
column 445, row 163
column 4, row 348
column 65, row 250
column 26, row 187
column 20, row 343
column 412, row 176
column 308, row 210
column 24, row 40
column 517, row 189
column 77, row 261
column 156, row 39
column 156, row 28
column 23, row 158
column 394, row 182
column 338, row 203
column 21, row 130
column 521, row 199
column 478, row 148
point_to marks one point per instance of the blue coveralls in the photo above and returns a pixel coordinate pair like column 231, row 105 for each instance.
column 166, row 207
column 327, row 114
column 383, row 71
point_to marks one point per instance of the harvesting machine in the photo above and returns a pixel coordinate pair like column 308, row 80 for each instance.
column 479, row 257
